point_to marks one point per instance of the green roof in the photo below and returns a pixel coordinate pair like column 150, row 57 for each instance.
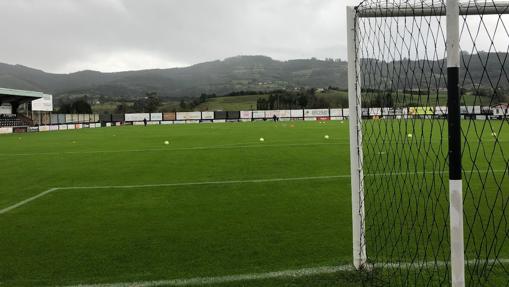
column 20, row 93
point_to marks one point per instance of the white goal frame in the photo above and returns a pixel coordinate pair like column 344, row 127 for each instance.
column 452, row 11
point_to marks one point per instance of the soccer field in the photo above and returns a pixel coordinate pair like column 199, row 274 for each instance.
column 215, row 206
column 216, row 201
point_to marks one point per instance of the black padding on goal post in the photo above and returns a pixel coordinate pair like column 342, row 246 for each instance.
column 454, row 121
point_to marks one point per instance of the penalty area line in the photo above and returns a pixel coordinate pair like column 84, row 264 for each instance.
column 23, row 202
column 266, row 180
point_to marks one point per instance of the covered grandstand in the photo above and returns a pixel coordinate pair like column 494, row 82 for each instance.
column 12, row 101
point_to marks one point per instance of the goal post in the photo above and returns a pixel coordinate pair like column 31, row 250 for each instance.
column 429, row 179
column 454, row 131
column 355, row 117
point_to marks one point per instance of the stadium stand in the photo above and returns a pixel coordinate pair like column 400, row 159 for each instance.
column 10, row 100
column 14, row 120
column 9, row 121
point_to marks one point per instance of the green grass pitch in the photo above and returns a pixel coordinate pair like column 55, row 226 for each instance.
column 131, row 209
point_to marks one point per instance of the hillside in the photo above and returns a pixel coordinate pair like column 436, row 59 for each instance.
column 244, row 73
column 237, row 73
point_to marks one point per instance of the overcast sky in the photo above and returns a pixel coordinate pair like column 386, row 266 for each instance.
column 113, row 35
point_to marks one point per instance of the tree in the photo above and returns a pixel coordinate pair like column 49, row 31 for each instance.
column 122, row 108
column 65, row 108
column 81, row 107
column 302, row 100
column 183, row 104
column 152, row 102
column 149, row 104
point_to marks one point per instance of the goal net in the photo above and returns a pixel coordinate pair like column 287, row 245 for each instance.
column 414, row 130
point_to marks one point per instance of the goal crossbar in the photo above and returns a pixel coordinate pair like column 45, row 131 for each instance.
column 487, row 8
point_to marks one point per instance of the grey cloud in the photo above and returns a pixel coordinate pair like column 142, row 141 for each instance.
column 68, row 35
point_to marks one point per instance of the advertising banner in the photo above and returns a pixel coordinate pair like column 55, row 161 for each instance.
column 270, row 114
column 297, row 113
column 54, row 119
column 258, row 114
column 44, row 128
column 169, row 116
column 5, row 130
column 207, row 115
column 233, row 115
column 375, row 112
column 220, row 115
column 44, row 104
column 156, row 116
column 285, row 113
column 139, row 117
column 441, row 110
column 246, row 114
column 316, row 113
column 184, row 116
column 470, row 110
column 336, row 112
column 17, row 130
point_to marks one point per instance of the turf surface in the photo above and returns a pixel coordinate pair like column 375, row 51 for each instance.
column 103, row 235
column 159, row 232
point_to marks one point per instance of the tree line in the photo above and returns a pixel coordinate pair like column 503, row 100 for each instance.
column 301, row 99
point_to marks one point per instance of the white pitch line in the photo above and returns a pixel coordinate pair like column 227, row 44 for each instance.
column 295, row 273
column 230, row 278
column 21, row 203
column 207, row 182
column 175, row 149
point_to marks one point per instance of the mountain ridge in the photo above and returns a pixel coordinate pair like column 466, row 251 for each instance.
column 219, row 76
column 245, row 73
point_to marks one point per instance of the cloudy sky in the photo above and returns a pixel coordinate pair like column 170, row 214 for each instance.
column 112, row 35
